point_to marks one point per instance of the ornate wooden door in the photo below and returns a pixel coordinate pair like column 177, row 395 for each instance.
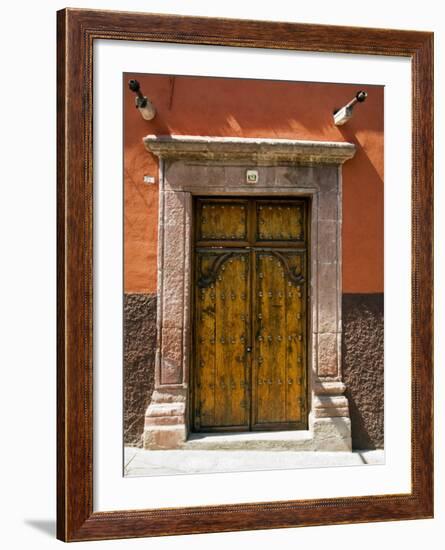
column 250, row 323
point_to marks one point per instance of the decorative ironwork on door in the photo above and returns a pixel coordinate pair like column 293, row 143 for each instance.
column 250, row 314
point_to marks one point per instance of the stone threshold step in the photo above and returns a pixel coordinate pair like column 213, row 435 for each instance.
column 273, row 440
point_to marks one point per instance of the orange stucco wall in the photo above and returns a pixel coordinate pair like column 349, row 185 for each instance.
column 257, row 108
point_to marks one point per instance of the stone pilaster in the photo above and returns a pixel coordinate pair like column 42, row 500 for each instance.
column 329, row 418
column 166, row 416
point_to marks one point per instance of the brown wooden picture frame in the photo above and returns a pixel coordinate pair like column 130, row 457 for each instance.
column 77, row 31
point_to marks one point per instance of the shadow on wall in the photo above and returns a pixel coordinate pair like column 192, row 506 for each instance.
column 193, row 105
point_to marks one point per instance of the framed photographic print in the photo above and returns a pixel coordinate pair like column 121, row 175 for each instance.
column 244, row 275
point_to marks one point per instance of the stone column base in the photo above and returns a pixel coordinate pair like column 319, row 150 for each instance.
column 165, row 421
column 164, row 437
column 331, row 433
column 329, row 419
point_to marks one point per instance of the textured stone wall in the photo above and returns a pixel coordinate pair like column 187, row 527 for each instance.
column 139, row 358
column 362, row 351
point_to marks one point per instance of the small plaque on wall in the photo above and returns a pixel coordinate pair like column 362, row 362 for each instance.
column 252, row 176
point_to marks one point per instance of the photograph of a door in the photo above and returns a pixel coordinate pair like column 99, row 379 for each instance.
column 249, row 349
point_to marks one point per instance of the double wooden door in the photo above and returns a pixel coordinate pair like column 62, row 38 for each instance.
column 250, row 322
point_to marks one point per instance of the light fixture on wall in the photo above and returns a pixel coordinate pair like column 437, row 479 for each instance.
column 143, row 104
column 341, row 116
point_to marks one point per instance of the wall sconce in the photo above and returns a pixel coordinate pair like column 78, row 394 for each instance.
column 341, row 116
column 143, row 104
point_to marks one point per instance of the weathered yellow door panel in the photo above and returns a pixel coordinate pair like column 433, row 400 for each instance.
column 222, row 220
column 269, row 307
column 282, row 221
column 249, row 353
column 222, row 317
column 280, row 334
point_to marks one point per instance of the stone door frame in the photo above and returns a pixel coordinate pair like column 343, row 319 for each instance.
column 209, row 166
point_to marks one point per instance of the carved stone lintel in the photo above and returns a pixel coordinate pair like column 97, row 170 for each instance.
column 259, row 151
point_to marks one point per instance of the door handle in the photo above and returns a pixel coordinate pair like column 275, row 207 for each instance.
column 248, row 349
